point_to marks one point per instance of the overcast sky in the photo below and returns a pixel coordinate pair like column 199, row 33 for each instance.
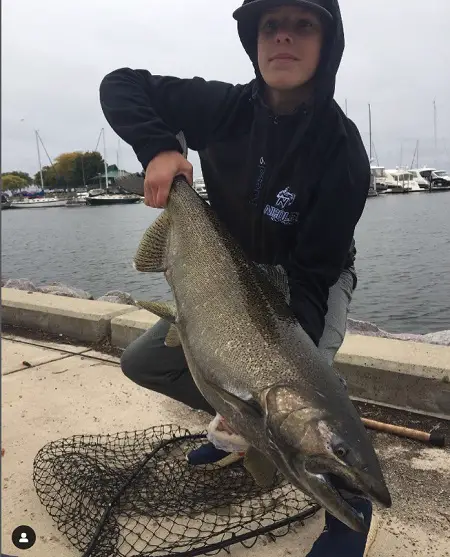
column 55, row 54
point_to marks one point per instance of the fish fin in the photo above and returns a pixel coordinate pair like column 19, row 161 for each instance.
column 172, row 339
column 242, row 405
column 165, row 310
column 151, row 253
column 260, row 467
column 278, row 277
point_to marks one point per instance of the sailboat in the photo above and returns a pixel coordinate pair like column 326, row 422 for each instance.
column 108, row 197
column 39, row 202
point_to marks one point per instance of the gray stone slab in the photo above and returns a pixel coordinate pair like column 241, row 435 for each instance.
column 86, row 320
column 128, row 327
column 409, row 375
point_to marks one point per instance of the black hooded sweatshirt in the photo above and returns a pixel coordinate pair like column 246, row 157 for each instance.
column 290, row 189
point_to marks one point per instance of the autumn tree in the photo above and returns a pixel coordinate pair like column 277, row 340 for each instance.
column 13, row 182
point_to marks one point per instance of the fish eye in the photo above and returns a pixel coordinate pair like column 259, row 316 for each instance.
column 341, row 451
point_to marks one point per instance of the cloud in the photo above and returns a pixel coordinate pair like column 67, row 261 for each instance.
column 56, row 53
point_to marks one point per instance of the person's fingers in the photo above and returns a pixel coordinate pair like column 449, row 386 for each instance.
column 162, row 194
column 160, row 174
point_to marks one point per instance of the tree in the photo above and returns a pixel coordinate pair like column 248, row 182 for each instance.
column 65, row 167
column 77, row 168
column 13, row 182
column 93, row 164
column 24, row 175
column 50, row 178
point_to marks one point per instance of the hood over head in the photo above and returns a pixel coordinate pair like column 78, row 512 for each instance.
column 248, row 15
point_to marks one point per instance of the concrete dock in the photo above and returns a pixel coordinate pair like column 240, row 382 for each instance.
column 53, row 390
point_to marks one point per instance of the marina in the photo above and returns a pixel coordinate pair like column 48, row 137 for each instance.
column 405, row 180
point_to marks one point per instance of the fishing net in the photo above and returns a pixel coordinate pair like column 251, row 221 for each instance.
column 134, row 494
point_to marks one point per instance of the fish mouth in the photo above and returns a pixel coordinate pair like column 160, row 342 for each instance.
column 323, row 487
column 335, row 489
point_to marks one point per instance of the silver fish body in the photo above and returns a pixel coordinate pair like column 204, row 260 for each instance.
column 254, row 363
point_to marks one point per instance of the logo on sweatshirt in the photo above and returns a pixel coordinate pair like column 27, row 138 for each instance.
column 285, row 198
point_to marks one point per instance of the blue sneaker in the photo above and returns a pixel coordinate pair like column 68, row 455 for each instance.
column 209, row 454
column 337, row 539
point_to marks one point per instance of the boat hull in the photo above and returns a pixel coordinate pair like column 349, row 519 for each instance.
column 104, row 200
column 38, row 203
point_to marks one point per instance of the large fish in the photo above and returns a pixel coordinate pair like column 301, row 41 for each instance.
column 251, row 359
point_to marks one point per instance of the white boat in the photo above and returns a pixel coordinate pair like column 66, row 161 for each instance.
column 78, row 201
column 400, row 180
column 424, row 184
column 440, row 181
column 433, row 179
column 41, row 202
column 200, row 188
column 379, row 176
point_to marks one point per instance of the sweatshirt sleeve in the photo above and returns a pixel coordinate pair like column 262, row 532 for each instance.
column 324, row 241
column 147, row 111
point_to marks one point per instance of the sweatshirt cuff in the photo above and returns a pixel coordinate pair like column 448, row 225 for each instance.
column 149, row 151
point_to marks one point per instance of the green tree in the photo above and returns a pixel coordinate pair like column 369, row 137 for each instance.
column 49, row 176
column 93, row 165
column 24, row 175
column 13, row 182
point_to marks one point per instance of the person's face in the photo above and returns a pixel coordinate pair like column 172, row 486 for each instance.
column 289, row 43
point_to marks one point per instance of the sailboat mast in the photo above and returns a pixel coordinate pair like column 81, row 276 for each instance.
column 39, row 158
column 104, row 157
column 118, row 146
column 370, row 134
column 435, row 132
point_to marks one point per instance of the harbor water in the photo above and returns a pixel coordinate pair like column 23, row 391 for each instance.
column 403, row 260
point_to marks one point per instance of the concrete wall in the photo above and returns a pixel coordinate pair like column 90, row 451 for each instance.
column 85, row 320
column 404, row 374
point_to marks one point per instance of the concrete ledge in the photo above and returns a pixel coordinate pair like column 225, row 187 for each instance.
column 406, row 374
column 127, row 328
column 85, row 320
column 410, row 375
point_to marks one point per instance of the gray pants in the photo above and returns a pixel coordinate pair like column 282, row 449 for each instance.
column 151, row 364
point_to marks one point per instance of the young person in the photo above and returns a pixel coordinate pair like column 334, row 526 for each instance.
column 285, row 170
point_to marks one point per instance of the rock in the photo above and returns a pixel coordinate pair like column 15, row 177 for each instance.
column 440, row 337
column 59, row 289
column 21, row 284
column 356, row 327
column 117, row 297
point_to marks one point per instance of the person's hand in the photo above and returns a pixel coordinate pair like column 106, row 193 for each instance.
column 159, row 175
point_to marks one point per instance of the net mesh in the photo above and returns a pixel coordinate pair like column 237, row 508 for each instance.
column 134, row 494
